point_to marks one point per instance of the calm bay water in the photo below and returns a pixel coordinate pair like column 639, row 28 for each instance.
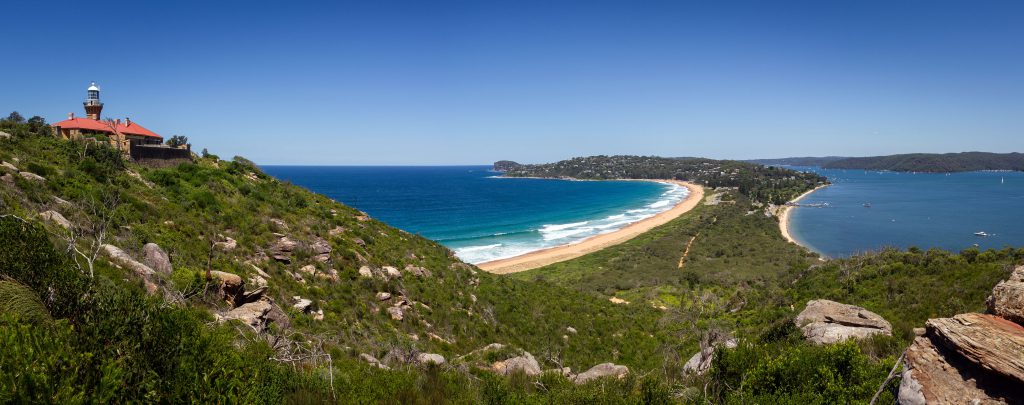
column 911, row 209
column 482, row 217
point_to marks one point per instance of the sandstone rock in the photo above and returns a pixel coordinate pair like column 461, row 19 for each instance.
column 119, row 257
column 570, row 329
column 296, row 277
column 933, row 377
column 336, row 231
column 827, row 322
column 258, row 281
column 278, row 225
column 617, row 300
column 990, row 342
column 308, row 269
column 226, row 245
column 278, row 316
column 9, row 166
column 601, row 370
column 302, row 304
column 372, row 360
column 321, row 250
column 391, row 272
column 32, row 177
column 383, row 296
column 330, row 274
column 260, row 271
column 231, row 286
column 359, row 241
column 417, row 271
column 55, row 217
column 700, row 362
column 1007, row 299
column 318, row 315
column 251, row 296
column 365, row 272
column 253, row 314
column 282, row 250
column 428, row 358
column 396, row 313
column 4, row 135
column 525, row 363
column 156, row 258
column 7, row 178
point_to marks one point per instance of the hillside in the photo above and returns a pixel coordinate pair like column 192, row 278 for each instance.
column 798, row 161
column 934, row 163
column 762, row 184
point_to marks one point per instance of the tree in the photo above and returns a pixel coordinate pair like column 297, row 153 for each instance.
column 15, row 118
column 99, row 216
column 177, row 141
column 36, row 124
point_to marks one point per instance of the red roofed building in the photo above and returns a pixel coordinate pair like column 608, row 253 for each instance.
column 122, row 135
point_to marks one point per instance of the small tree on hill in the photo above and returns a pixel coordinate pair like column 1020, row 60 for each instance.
column 15, row 118
column 177, row 140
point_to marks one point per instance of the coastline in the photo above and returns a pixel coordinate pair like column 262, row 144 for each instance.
column 544, row 257
column 784, row 215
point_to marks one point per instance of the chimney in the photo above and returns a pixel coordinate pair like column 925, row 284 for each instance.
column 71, row 116
column 118, row 122
column 127, row 121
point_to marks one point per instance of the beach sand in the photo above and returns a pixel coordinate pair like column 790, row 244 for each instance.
column 557, row 254
column 784, row 215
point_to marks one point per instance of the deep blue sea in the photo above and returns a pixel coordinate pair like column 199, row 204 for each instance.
column 480, row 216
column 911, row 209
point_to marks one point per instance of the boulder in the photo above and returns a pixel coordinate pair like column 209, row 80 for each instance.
column 617, row 300
column 253, row 314
column 251, row 296
column 391, row 272
column 417, row 271
column 396, row 313
column 827, row 322
column 365, row 271
column 9, row 166
column 119, row 257
column 231, row 286
column 1007, row 299
column 570, row 329
column 55, row 217
column 278, row 316
column 931, row 376
column 226, row 245
column 32, row 177
column 4, row 135
column 990, row 342
column 428, row 358
column 155, row 257
column 383, row 296
column 321, row 250
column 330, row 274
column 336, row 231
column 258, row 281
column 700, row 362
column 601, row 370
column 372, row 360
column 278, row 225
column 259, row 271
column 525, row 363
column 7, row 178
column 282, row 250
column 302, row 304
column 308, row 269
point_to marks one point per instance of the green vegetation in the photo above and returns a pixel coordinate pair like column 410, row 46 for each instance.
column 933, row 162
column 759, row 183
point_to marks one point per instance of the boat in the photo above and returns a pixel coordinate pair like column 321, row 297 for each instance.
column 980, row 233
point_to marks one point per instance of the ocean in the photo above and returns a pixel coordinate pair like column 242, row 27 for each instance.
column 479, row 215
column 910, row 209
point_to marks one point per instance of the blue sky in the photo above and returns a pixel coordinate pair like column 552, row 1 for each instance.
column 468, row 82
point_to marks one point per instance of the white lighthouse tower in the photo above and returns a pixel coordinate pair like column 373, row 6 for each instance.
column 93, row 105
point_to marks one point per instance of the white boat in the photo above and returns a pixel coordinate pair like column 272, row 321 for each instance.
column 980, row 233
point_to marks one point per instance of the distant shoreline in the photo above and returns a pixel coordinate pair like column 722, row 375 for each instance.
column 784, row 216
column 544, row 257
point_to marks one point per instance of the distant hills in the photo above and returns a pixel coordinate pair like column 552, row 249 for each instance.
column 912, row 162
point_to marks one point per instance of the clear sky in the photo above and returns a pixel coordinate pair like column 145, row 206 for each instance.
column 471, row 82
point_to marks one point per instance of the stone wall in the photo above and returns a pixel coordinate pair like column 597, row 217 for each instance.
column 160, row 156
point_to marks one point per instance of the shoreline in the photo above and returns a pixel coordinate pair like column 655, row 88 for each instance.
column 784, row 216
column 544, row 257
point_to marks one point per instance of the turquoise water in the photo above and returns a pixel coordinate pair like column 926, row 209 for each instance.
column 911, row 209
column 480, row 216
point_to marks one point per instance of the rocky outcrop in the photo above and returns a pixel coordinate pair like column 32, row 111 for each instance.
column 1007, row 299
column 396, row 313
column 700, row 362
column 253, row 314
column 230, row 285
column 827, row 322
column 121, row 258
column 429, row 358
column 321, row 250
column 32, row 177
column 969, row 358
column 417, row 271
column 505, row 165
column 55, row 217
column 601, row 370
column 155, row 257
column 524, row 363
column 391, row 272
column 226, row 245
column 282, row 250
column 372, row 360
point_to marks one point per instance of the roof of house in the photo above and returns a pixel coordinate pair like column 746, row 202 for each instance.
column 128, row 128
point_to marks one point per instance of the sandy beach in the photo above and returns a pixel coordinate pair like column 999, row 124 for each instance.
column 557, row 254
column 784, row 215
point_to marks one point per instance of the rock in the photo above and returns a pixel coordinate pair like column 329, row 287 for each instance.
column 601, row 370
column 372, row 360
column 570, row 329
column 278, row 316
column 296, row 277
column 32, row 177
column 252, row 296
column 7, row 178
column 701, row 361
column 282, row 250
column 1007, row 299
column 9, row 166
column 383, row 296
column 260, row 271
column 617, row 300
column 122, row 259
column 258, row 281
column 155, row 257
column 55, row 217
column 827, row 322
column 253, row 314
column 932, row 377
column 226, row 245
column 4, row 135
column 417, row 271
column 336, row 231
column 318, row 315
column 302, row 304
column 365, row 272
column 359, row 241
column 990, row 342
column 321, row 250
column 396, row 313
column 391, row 272
column 308, row 269
column 428, row 358
column 278, row 225
column 525, row 363
column 330, row 274
column 62, row 202
column 434, row 336
column 230, row 286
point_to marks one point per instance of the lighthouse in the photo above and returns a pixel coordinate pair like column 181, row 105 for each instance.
column 93, row 105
